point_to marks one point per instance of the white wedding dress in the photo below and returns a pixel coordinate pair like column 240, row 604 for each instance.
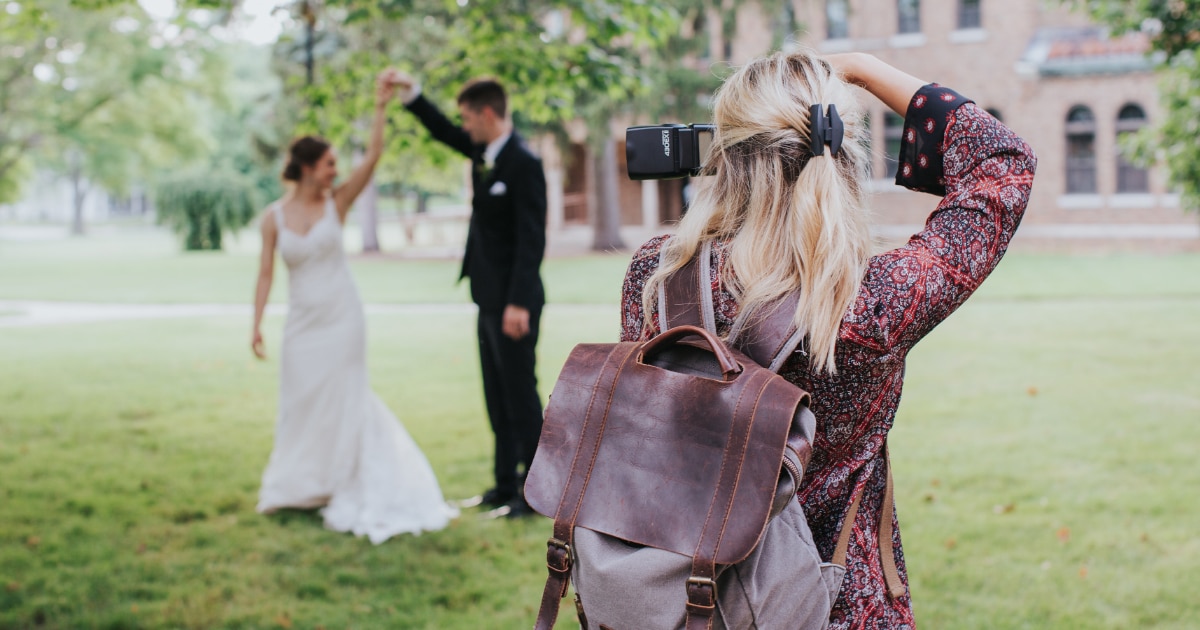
column 336, row 444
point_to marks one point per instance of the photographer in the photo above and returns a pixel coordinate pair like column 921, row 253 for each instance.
column 785, row 211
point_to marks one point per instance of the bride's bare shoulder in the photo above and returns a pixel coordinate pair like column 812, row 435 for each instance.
column 269, row 218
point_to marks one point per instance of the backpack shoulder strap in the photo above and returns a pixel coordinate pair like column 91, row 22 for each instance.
column 887, row 555
column 770, row 335
column 685, row 298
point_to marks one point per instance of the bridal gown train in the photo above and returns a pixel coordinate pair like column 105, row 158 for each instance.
column 336, row 444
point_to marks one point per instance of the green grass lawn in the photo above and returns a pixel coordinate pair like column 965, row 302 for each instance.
column 1044, row 454
column 145, row 265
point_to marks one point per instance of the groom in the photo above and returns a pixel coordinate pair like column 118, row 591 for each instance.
column 506, row 240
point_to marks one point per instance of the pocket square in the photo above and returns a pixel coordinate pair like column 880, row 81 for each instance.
column 498, row 189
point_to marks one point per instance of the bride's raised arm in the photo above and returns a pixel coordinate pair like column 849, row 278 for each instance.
column 345, row 194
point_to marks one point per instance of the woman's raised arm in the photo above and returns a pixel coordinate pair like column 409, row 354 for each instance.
column 889, row 84
column 345, row 194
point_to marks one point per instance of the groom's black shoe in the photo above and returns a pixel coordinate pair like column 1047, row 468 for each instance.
column 492, row 498
column 495, row 498
column 517, row 508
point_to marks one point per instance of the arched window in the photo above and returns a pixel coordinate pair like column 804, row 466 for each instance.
column 969, row 14
column 910, row 16
column 837, row 15
column 1130, row 177
column 893, row 134
column 1081, row 151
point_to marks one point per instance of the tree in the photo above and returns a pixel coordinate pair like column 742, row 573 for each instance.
column 100, row 96
column 679, row 82
column 202, row 207
column 237, row 175
column 559, row 56
column 344, row 51
column 1173, row 27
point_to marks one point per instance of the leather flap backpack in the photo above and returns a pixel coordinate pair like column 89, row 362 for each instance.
column 670, row 469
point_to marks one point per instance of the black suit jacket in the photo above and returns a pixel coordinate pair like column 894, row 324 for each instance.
column 506, row 239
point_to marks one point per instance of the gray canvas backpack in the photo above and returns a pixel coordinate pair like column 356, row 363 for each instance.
column 670, row 468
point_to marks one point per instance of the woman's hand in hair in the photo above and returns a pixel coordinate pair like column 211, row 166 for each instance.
column 892, row 86
column 846, row 65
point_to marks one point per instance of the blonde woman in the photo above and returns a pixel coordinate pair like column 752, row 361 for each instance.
column 781, row 217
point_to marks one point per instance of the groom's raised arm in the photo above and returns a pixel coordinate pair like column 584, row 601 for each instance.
column 430, row 116
column 439, row 126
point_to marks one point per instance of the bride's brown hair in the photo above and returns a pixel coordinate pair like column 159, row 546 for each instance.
column 304, row 151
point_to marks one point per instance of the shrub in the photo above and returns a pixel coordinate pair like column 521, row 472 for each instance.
column 201, row 208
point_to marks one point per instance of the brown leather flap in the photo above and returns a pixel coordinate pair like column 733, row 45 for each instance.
column 660, row 456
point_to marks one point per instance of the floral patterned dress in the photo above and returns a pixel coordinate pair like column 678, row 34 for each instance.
column 983, row 172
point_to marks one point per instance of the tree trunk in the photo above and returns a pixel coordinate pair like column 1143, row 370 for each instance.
column 368, row 216
column 309, row 13
column 79, row 193
column 422, row 202
column 367, row 206
column 606, row 220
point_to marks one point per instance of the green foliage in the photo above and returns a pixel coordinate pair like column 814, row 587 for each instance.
column 1174, row 30
column 1173, row 140
column 201, row 208
column 11, row 184
column 241, row 117
column 97, row 91
column 557, row 58
column 1174, row 25
column 680, row 72
column 351, row 46
column 105, row 94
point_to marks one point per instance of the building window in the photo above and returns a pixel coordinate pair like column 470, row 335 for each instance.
column 1130, row 177
column 893, row 134
column 910, row 16
column 969, row 14
column 1081, row 151
column 837, row 19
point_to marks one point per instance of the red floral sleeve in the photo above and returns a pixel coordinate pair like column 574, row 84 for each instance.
column 984, row 172
column 644, row 262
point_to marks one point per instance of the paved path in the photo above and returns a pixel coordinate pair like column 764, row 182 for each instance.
column 36, row 313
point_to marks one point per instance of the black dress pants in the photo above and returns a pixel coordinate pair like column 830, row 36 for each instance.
column 510, row 390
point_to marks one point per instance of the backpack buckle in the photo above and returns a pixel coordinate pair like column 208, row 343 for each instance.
column 558, row 556
column 702, row 592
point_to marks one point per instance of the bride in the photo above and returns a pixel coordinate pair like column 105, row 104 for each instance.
column 337, row 446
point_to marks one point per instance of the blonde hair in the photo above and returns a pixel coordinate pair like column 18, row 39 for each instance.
column 793, row 220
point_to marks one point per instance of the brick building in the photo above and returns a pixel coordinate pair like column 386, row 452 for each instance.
column 1058, row 80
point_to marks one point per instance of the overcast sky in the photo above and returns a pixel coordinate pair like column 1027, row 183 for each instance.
column 255, row 23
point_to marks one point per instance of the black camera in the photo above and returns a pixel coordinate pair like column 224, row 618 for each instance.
column 666, row 151
column 673, row 150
